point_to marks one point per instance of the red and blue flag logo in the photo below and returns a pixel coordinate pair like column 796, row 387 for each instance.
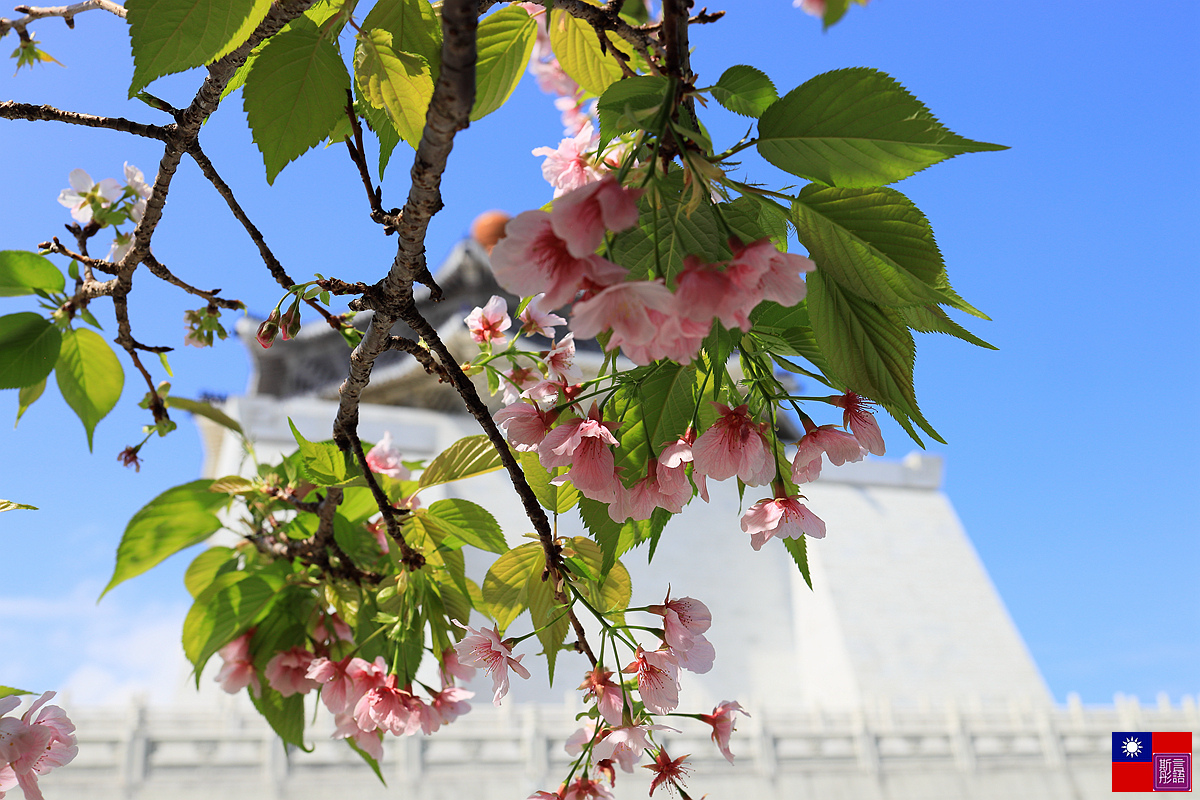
column 1145, row 761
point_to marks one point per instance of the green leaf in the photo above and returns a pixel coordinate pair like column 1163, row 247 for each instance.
column 654, row 412
column 469, row 522
column 856, row 127
column 324, row 463
column 612, row 589
column 379, row 122
column 578, row 52
column 869, row 349
column 466, row 458
column 549, row 619
column 557, row 499
column 7, row 691
column 169, row 36
column 9, row 505
column 504, row 42
column 798, row 549
column 615, row 538
column 178, row 518
column 29, row 347
column 398, row 82
column 678, row 231
column 207, row 567
column 224, row 611
column 294, row 94
column 414, row 26
column 873, row 242
column 284, row 714
column 932, row 319
column 21, row 273
column 89, row 376
column 505, row 593
column 205, row 410
column 745, row 90
column 27, row 396
column 628, row 104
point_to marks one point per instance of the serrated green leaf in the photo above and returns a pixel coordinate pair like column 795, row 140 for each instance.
column 29, row 347
column 89, row 376
column 414, row 26
column 27, row 396
column 177, row 519
column 578, row 52
column 367, row 757
column 469, row 522
column 629, row 103
column 205, row 410
column 466, row 458
column 207, row 567
column 293, row 95
column 21, row 273
column 668, row 232
column 557, row 499
column 505, row 592
column 932, row 319
column 504, row 43
column 612, row 588
column 873, row 242
column 9, row 505
column 799, row 552
column 169, row 36
column 856, row 127
column 549, row 619
column 745, row 90
column 224, row 611
column 324, row 463
column 381, row 124
column 654, row 412
column 393, row 80
column 615, row 538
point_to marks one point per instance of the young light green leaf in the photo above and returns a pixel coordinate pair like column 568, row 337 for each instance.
column 205, row 410
column 549, row 619
column 578, row 51
column 414, row 26
column 873, row 242
column 29, row 347
column 9, row 505
column 396, row 81
column 745, row 90
column 469, row 522
column 466, row 458
column 27, row 396
column 797, row 547
column 654, row 412
column 177, row 519
column 615, row 538
column 379, row 122
column 504, row 41
column 224, row 611
column 505, row 592
column 21, row 273
column 207, row 567
column 325, row 464
column 173, row 35
column 293, row 95
column 627, row 104
column 557, row 499
column 856, row 127
column 89, row 376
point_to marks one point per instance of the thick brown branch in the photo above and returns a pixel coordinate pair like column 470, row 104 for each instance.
column 423, row 356
column 10, row 109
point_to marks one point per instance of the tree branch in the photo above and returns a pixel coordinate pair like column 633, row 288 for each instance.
column 211, row 296
column 66, row 12
column 10, row 109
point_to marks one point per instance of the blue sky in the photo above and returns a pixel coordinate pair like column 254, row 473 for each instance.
column 1072, row 450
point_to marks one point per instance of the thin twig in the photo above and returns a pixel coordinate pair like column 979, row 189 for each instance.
column 10, row 109
column 165, row 274
column 66, row 12
column 358, row 156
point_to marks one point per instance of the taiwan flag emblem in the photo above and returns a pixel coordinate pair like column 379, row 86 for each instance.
column 1144, row 761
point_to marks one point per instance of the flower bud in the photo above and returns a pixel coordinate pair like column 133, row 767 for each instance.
column 290, row 323
column 268, row 330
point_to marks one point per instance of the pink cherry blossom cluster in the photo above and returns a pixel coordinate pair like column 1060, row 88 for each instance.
column 483, row 648
column 364, row 698
column 32, row 745
column 551, row 78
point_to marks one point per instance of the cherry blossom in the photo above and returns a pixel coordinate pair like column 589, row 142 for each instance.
column 238, row 670
column 524, row 424
column 370, row 742
column 582, row 216
column 609, row 697
column 627, row 308
column 582, row 737
column 535, row 320
column 389, row 707
column 83, row 192
column 287, row 671
column 857, row 417
column 385, row 459
column 451, row 703
column 122, row 242
column 532, row 258
column 734, row 445
column 584, row 446
column 626, row 744
column 666, row 770
column 488, row 324
column 452, row 668
column 721, row 720
column 782, row 517
column 516, row 380
column 339, row 689
column 658, row 680
column 587, row 789
column 560, row 362
column 483, row 648
column 765, row 273
column 41, row 740
column 572, row 165
column 684, row 618
column 838, row 446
